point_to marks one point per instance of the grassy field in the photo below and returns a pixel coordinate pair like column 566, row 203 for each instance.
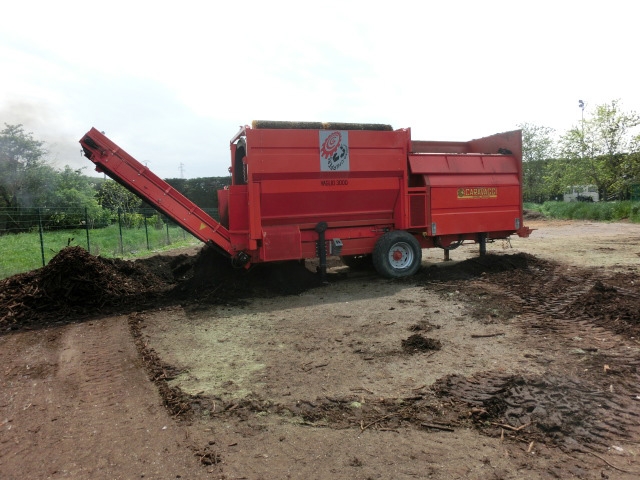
column 23, row 252
column 599, row 211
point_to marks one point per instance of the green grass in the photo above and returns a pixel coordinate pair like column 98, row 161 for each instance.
column 598, row 211
column 536, row 207
column 22, row 252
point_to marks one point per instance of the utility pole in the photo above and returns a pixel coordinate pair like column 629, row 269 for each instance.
column 181, row 170
column 581, row 105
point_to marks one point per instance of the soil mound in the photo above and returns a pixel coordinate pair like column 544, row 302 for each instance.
column 475, row 267
column 73, row 284
column 76, row 284
column 213, row 278
column 171, row 269
column 417, row 343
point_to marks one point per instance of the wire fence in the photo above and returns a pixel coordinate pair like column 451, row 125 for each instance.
column 31, row 237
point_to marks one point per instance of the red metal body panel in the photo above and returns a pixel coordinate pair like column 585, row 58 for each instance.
column 498, row 143
column 281, row 243
column 470, row 193
column 287, row 188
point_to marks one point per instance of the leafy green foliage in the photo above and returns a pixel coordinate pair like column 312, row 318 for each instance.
column 600, row 211
column 201, row 191
column 120, row 201
column 538, row 147
column 602, row 151
column 21, row 164
column 113, row 196
column 27, row 180
column 536, row 207
column 71, row 189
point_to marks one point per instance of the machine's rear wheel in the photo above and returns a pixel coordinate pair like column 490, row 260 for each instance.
column 397, row 254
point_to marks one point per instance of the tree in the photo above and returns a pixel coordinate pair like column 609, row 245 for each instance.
column 201, row 191
column 66, row 198
column 538, row 147
column 601, row 150
column 113, row 196
column 72, row 189
column 22, row 158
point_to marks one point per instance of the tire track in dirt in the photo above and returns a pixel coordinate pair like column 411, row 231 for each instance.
column 592, row 342
column 587, row 399
column 91, row 409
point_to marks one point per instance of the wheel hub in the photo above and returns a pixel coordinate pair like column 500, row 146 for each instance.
column 401, row 255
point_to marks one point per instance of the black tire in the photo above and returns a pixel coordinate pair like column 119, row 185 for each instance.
column 357, row 262
column 397, row 254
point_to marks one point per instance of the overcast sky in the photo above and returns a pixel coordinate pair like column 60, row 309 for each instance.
column 171, row 82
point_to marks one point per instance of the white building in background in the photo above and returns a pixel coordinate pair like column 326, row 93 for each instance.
column 581, row 193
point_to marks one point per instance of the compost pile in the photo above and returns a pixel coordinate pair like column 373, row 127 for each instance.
column 72, row 285
column 212, row 279
column 76, row 285
column 611, row 300
column 475, row 267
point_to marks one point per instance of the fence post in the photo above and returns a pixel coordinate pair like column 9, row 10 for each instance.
column 120, row 228
column 168, row 239
column 146, row 231
column 86, row 226
column 41, row 239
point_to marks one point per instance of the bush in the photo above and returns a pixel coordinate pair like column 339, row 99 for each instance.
column 599, row 211
column 132, row 220
column 535, row 207
column 157, row 222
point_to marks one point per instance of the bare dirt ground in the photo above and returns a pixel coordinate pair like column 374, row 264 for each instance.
column 521, row 364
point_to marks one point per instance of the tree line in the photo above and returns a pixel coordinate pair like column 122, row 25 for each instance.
column 28, row 180
column 602, row 150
